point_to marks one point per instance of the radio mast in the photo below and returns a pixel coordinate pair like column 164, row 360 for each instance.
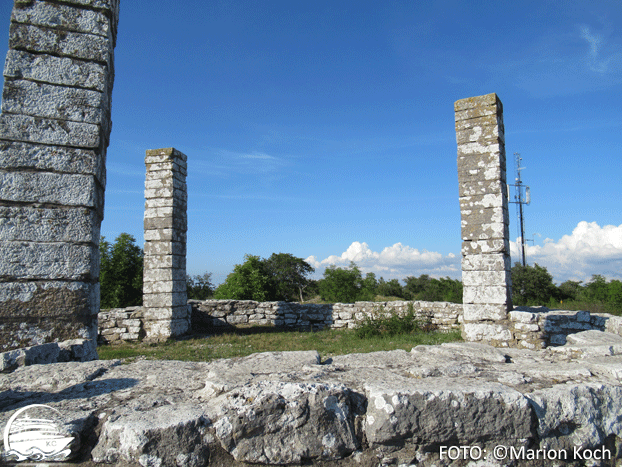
column 522, row 196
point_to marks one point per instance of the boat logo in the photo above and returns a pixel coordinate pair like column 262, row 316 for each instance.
column 35, row 432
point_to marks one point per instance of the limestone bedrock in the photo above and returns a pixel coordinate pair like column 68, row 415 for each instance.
column 382, row 408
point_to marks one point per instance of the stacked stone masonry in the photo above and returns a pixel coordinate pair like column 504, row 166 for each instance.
column 530, row 328
column 166, row 311
column 486, row 261
column 54, row 132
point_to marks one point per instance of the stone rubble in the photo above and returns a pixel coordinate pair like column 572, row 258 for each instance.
column 291, row 408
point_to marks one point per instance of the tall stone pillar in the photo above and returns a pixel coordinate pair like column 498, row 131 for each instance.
column 166, row 310
column 54, row 131
column 486, row 265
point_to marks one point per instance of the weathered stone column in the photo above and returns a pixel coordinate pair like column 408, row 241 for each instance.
column 486, row 266
column 167, row 312
column 54, row 131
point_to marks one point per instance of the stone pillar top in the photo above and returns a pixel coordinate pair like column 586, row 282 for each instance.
column 166, row 152
column 478, row 101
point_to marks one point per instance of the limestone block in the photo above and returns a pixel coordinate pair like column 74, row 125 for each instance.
column 523, row 316
column 480, row 131
column 168, row 312
column 166, row 211
column 164, row 261
column 52, row 101
column 15, row 154
column 481, row 187
column 163, row 329
column 484, row 312
column 488, row 332
column 162, row 300
column 479, row 247
column 480, row 147
column 238, row 319
column 165, row 235
column 63, row 17
column 445, row 412
column 60, row 43
column 164, row 275
column 479, row 102
column 486, row 262
column 155, row 189
column 489, row 200
column 29, row 260
column 164, row 286
column 488, row 231
column 47, row 131
column 25, row 223
column 55, row 70
column 157, row 223
column 164, row 248
column 36, row 312
column 488, row 294
column 169, row 201
column 482, row 174
column 581, row 414
column 45, row 187
column 170, row 152
column 485, row 278
column 468, row 119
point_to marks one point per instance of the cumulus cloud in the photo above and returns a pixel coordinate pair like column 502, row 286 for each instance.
column 590, row 249
column 397, row 261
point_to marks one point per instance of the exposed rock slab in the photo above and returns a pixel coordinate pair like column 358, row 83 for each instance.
column 288, row 408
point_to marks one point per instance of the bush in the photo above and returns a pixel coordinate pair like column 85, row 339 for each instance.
column 383, row 323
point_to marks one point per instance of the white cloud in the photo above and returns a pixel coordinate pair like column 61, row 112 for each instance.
column 590, row 249
column 397, row 261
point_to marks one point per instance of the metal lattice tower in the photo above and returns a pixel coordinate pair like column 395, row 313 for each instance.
column 522, row 196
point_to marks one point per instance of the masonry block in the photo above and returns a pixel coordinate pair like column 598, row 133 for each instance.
column 480, row 137
column 165, row 222
column 54, row 131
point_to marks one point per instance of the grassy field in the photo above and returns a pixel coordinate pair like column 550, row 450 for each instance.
column 246, row 341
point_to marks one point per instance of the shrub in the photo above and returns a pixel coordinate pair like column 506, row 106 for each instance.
column 383, row 323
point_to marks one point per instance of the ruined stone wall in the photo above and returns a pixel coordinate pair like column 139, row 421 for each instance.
column 127, row 324
column 166, row 311
column 54, row 131
column 486, row 265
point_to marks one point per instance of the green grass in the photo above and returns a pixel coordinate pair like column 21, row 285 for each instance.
column 246, row 341
column 579, row 305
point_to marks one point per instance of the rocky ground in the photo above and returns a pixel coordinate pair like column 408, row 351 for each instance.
column 384, row 408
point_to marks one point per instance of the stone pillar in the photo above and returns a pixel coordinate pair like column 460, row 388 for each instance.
column 166, row 309
column 54, row 131
column 486, row 265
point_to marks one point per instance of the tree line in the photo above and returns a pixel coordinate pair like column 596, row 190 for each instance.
column 284, row 277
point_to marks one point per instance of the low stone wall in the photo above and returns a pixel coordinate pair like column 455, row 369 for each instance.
column 539, row 327
column 529, row 327
column 210, row 314
column 120, row 324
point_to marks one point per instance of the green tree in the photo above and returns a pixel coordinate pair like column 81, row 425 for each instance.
column 614, row 293
column 121, row 272
column 392, row 288
column 341, row 285
column 199, row 287
column 532, row 285
column 288, row 275
column 248, row 281
column 596, row 290
column 414, row 286
column 570, row 290
column 369, row 287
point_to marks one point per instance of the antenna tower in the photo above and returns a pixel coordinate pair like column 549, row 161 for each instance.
column 522, row 196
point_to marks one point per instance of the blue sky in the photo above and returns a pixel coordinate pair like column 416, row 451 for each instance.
column 325, row 129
